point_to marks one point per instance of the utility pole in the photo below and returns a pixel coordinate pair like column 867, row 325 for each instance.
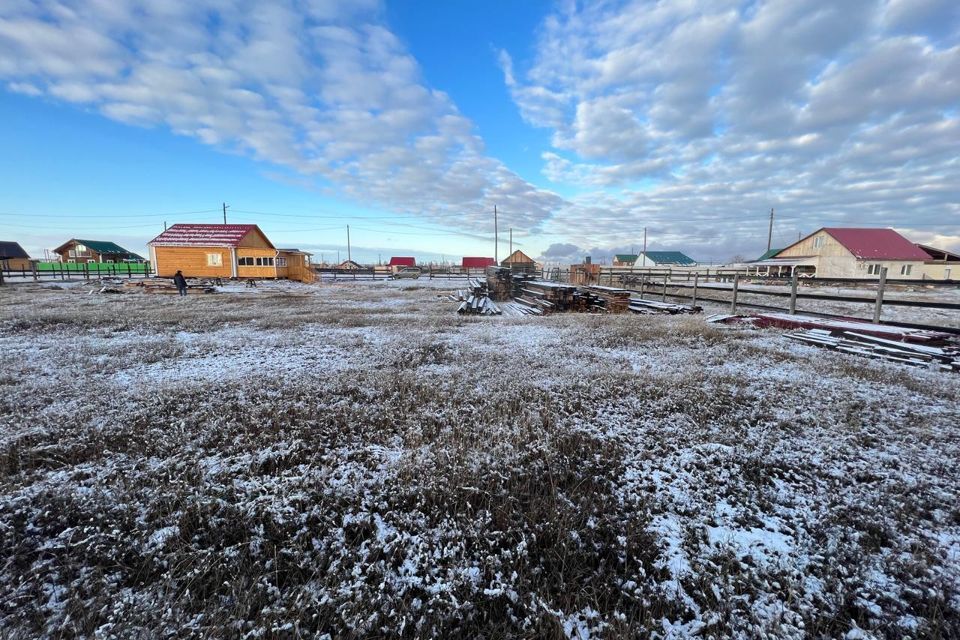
column 348, row 244
column 496, row 237
column 644, row 263
column 770, row 230
column 225, row 207
column 511, row 240
column 164, row 225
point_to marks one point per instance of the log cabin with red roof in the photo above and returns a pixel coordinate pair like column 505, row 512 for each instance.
column 838, row 252
column 225, row 251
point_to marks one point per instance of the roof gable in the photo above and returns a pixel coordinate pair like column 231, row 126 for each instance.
column 206, row 235
column 876, row 244
column 402, row 261
column 517, row 256
column 12, row 250
column 625, row 257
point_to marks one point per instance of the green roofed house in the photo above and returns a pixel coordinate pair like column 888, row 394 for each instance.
column 624, row 259
column 102, row 251
column 665, row 259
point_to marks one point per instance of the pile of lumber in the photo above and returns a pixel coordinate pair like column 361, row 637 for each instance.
column 652, row 306
column 614, row 300
column 835, row 325
column 476, row 300
column 862, row 344
column 528, row 295
column 163, row 286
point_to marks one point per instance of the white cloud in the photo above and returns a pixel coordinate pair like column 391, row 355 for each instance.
column 323, row 88
column 694, row 118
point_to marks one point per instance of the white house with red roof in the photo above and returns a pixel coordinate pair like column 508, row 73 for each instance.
column 840, row 252
column 225, row 251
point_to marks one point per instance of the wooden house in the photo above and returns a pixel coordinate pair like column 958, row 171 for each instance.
column 624, row 259
column 13, row 257
column 402, row 261
column 350, row 265
column 101, row 251
column 519, row 261
column 838, row 252
column 225, row 251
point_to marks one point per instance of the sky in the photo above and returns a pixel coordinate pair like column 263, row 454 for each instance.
column 584, row 123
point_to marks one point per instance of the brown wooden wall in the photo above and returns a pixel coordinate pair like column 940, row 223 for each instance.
column 192, row 261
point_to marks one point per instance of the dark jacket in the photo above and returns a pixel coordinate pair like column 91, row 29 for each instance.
column 180, row 281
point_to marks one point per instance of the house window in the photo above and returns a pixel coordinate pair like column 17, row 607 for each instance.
column 905, row 269
column 818, row 242
column 214, row 260
column 81, row 248
column 245, row 262
column 264, row 262
column 874, row 269
column 281, row 262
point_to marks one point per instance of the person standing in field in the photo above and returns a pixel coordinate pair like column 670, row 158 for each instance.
column 181, row 283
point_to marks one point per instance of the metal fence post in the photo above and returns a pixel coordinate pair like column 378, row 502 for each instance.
column 793, row 293
column 880, row 288
column 736, row 286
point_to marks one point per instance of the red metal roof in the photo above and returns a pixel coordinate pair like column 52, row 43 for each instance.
column 876, row 244
column 403, row 261
column 204, row 235
column 478, row 263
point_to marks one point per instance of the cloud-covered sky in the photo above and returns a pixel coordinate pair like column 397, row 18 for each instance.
column 692, row 119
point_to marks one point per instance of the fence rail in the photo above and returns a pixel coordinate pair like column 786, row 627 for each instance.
column 44, row 271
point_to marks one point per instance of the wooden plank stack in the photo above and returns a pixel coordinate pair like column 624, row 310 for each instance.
column 653, row 306
column 614, row 300
column 920, row 355
column 476, row 300
column 163, row 286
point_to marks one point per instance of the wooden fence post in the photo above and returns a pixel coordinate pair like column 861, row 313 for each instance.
column 33, row 268
column 793, row 293
column 736, row 286
column 693, row 301
column 879, row 304
column 663, row 298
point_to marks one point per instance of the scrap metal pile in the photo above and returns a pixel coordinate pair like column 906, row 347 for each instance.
column 906, row 345
column 524, row 294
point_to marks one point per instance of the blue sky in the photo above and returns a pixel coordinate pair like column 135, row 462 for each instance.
column 409, row 121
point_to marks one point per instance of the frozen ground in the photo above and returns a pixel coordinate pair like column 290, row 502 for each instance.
column 356, row 460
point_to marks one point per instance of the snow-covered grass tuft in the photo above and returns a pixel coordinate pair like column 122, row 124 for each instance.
column 356, row 460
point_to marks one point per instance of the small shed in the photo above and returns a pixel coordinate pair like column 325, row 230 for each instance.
column 12, row 256
column 402, row 261
column 80, row 251
column 474, row 262
column 519, row 261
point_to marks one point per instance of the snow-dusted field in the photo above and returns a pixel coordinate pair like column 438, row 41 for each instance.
column 356, row 460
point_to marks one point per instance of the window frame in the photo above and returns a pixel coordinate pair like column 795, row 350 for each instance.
column 214, row 259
